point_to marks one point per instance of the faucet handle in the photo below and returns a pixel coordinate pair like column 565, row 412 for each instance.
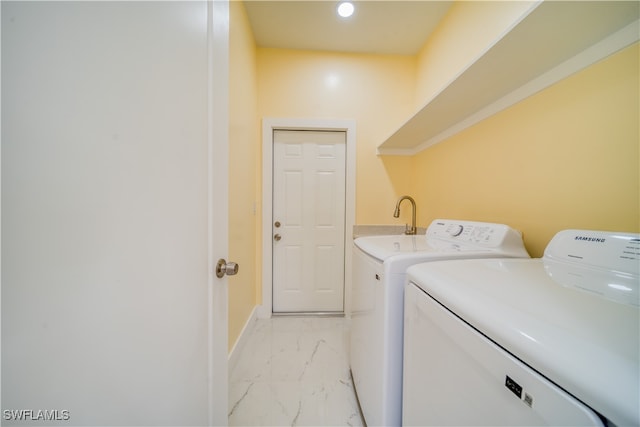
column 409, row 229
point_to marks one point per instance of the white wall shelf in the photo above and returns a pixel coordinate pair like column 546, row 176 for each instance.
column 553, row 41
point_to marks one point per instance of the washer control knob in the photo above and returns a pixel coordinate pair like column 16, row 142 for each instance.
column 456, row 230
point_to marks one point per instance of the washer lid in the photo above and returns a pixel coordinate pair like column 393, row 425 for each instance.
column 584, row 341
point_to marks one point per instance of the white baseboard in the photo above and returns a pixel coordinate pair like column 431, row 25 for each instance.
column 262, row 312
column 234, row 354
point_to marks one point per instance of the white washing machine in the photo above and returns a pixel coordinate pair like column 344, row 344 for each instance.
column 379, row 266
column 547, row 341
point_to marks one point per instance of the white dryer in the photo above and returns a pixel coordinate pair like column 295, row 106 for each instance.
column 547, row 341
column 379, row 266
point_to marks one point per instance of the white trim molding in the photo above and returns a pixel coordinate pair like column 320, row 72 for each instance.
column 236, row 351
column 268, row 126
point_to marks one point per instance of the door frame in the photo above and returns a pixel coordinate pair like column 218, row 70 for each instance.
column 268, row 126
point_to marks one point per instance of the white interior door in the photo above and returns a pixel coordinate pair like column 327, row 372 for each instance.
column 110, row 114
column 308, row 221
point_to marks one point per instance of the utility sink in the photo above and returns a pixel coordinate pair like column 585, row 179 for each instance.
column 383, row 230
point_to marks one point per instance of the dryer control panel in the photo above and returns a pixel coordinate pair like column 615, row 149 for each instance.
column 601, row 249
column 601, row 262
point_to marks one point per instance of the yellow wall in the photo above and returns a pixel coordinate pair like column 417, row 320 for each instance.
column 567, row 157
column 375, row 90
column 244, row 172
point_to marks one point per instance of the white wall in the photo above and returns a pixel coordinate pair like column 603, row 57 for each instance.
column 104, row 211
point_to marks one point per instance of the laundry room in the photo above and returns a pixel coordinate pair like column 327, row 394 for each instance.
column 560, row 155
column 212, row 211
column 564, row 157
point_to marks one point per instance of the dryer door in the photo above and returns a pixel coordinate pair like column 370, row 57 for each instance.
column 453, row 375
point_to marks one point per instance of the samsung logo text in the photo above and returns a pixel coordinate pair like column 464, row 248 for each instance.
column 590, row 239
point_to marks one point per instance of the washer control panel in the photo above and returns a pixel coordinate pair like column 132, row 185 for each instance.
column 478, row 233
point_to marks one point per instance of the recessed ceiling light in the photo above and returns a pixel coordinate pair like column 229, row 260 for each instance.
column 345, row 9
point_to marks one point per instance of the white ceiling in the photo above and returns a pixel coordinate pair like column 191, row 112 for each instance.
column 384, row 27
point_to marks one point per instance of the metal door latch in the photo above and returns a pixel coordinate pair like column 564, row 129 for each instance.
column 223, row 267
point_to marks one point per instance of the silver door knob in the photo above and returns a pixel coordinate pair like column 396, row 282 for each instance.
column 223, row 267
column 277, row 237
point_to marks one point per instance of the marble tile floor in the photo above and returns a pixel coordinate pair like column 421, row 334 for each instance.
column 294, row 371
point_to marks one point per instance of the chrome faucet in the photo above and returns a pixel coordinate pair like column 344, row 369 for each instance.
column 396, row 214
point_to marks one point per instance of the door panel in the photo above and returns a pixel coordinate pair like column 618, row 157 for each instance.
column 109, row 310
column 309, row 203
